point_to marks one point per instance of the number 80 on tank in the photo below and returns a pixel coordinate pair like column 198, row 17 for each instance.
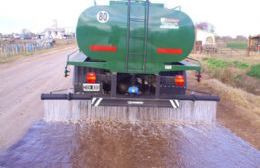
column 103, row 16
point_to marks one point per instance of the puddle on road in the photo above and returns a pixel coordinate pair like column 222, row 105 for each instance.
column 145, row 145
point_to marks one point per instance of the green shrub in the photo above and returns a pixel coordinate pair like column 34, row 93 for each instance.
column 237, row 45
column 255, row 71
column 217, row 63
column 240, row 65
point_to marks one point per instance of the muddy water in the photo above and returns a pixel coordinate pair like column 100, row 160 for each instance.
column 145, row 145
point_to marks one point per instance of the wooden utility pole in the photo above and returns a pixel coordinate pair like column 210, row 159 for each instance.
column 249, row 46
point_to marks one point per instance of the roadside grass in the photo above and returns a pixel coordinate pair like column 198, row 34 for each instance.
column 240, row 65
column 235, row 95
column 220, row 63
column 216, row 63
column 4, row 59
column 238, row 109
column 7, row 59
column 255, row 71
column 237, row 45
column 230, row 78
column 235, row 73
column 241, row 106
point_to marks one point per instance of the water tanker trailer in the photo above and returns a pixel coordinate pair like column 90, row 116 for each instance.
column 132, row 60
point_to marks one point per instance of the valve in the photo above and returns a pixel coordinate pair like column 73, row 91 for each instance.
column 66, row 72
column 198, row 75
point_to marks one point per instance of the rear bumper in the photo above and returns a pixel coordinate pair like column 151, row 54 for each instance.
column 172, row 102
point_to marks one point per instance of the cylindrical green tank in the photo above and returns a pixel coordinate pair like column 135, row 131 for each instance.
column 136, row 39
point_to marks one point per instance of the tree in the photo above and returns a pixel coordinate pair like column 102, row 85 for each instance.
column 206, row 27
column 26, row 31
column 227, row 38
column 26, row 34
column 241, row 38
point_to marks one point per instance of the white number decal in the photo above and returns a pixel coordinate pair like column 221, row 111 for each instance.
column 102, row 16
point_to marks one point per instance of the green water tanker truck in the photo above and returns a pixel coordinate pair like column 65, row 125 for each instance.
column 133, row 53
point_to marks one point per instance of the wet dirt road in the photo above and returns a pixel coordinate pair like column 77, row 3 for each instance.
column 117, row 145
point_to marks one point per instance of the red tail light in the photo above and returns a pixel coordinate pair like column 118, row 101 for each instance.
column 91, row 77
column 179, row 81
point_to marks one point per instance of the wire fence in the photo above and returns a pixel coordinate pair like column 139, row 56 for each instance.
column 231, row 52
column 23, row 48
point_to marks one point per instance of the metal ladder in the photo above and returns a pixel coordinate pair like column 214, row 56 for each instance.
column 145, row 21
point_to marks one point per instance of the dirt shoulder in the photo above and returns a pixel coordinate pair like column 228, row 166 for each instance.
column 238, row 110
column 22, row 82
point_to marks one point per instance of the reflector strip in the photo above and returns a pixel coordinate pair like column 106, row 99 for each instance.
column 169, row 51
column 175, row 104
column 135, row 102
column 93, row 100
column 103, row 48
column 96, row 101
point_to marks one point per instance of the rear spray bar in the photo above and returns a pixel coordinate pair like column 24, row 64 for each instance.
column 133, row 101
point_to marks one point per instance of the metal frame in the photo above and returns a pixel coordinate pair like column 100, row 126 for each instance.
column 128, row 32
column 77, row 60
column 130, row 102
column 158, row 83
column 164, row 89
column 73, row 96
column 113, row 85
column 147, row 12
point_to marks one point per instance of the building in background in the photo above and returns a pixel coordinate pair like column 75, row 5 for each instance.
column 54, row 32
column 254, row 43
column 205, row 37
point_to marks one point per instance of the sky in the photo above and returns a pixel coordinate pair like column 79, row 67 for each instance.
column 230, row 17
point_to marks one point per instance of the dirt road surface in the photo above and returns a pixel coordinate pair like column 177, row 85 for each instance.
column 21, row 84
column 26, row 141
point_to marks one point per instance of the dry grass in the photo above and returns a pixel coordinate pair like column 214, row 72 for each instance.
column 238, row 110
column 237, row 97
